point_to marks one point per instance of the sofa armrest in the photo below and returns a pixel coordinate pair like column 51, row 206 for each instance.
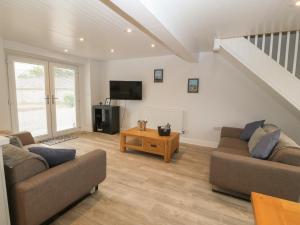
column 231, row 132
column 25, row 137
column 44, row 195
column 244, row 174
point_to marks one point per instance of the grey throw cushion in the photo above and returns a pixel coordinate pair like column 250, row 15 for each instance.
column 54, row 157
column 265, row 146
column 255, row 138
column 250, row 129
column 14, row 140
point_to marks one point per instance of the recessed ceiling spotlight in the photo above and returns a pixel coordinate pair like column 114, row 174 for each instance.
column 128, row 30
column 66, row 50
column 152, row 45
column 81, row 39
column 112, row 50
column 297, row 3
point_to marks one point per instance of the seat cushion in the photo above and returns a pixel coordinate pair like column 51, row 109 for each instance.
column 290, row 156
column 233, row 143
column 235, row 151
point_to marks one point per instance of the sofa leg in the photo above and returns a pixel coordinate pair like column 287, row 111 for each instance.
column 94, row 190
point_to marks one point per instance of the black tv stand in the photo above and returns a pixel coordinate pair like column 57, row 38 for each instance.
column 106, row 119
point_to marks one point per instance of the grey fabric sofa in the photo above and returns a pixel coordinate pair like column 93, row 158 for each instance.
column 37, row 193
column 235, row 172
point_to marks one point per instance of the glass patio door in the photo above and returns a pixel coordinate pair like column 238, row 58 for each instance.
column 30, row 103
column 64, row 96
column 43, row 97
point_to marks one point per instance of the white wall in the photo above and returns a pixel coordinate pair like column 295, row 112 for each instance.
column 227, row 97
column 98, row 91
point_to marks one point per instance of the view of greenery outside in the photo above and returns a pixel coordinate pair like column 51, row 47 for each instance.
column 36, row 71
column 69, row 100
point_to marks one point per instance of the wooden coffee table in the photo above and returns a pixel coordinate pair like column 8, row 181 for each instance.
column 274, row 211
column 150, row 141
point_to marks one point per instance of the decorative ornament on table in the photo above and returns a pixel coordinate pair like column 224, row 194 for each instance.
column 164, row 130
column 142, row 125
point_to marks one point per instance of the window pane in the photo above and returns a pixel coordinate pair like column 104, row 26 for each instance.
column 31, row 103
column 65, row 93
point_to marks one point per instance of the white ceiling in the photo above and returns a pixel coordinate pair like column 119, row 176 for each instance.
column 58, row 24
column 198, row 22
column 189, row 25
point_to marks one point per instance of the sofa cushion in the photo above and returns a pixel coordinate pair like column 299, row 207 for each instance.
column 14, row 140
column 290, row 156
column 235, row 151
column 269, row 127
column 265, row 146
column 54, row 157
column 25, row 137
column 255, row 138
column 233, row 143
column 250, row 129
column 285, row 142
column 20, row 165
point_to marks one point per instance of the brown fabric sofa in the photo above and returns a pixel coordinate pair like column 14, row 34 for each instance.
column 235, row 172
column 37, row 193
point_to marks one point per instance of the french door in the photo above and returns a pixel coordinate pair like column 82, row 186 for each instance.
column 43, row 97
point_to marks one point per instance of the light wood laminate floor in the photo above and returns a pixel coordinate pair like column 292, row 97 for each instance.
column 141, row 189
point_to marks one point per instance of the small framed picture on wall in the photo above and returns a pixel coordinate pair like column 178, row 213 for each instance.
column 158, row 75
column 193, row 85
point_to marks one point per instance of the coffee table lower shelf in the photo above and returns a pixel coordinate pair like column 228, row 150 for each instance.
column 149, row 141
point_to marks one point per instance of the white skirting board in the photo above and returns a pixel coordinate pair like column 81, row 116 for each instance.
column 193, row 141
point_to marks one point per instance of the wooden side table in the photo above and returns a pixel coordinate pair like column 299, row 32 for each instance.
column 274, row 211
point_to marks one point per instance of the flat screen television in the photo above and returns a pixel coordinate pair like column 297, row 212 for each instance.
column 125, row 90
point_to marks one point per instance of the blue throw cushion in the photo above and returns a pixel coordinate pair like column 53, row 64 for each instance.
column 265, row 146
column 250, row 128
column 53, row 156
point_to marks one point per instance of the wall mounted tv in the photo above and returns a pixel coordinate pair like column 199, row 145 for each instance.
column 125, row 90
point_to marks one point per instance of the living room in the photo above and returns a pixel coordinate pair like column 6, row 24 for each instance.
column 210, row 75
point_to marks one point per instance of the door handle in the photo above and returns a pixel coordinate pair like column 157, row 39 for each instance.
column 53, row 99
column 47, row 100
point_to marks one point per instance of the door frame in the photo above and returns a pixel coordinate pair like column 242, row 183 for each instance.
column 49, row 88
column 56, row 133
column 13, row 91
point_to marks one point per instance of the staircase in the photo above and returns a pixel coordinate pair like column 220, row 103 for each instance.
column 283, row 47
column 272, row 60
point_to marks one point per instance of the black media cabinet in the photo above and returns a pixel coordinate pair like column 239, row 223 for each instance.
column 106, row 119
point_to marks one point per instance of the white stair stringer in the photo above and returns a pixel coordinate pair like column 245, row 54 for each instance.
column 266, row 69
